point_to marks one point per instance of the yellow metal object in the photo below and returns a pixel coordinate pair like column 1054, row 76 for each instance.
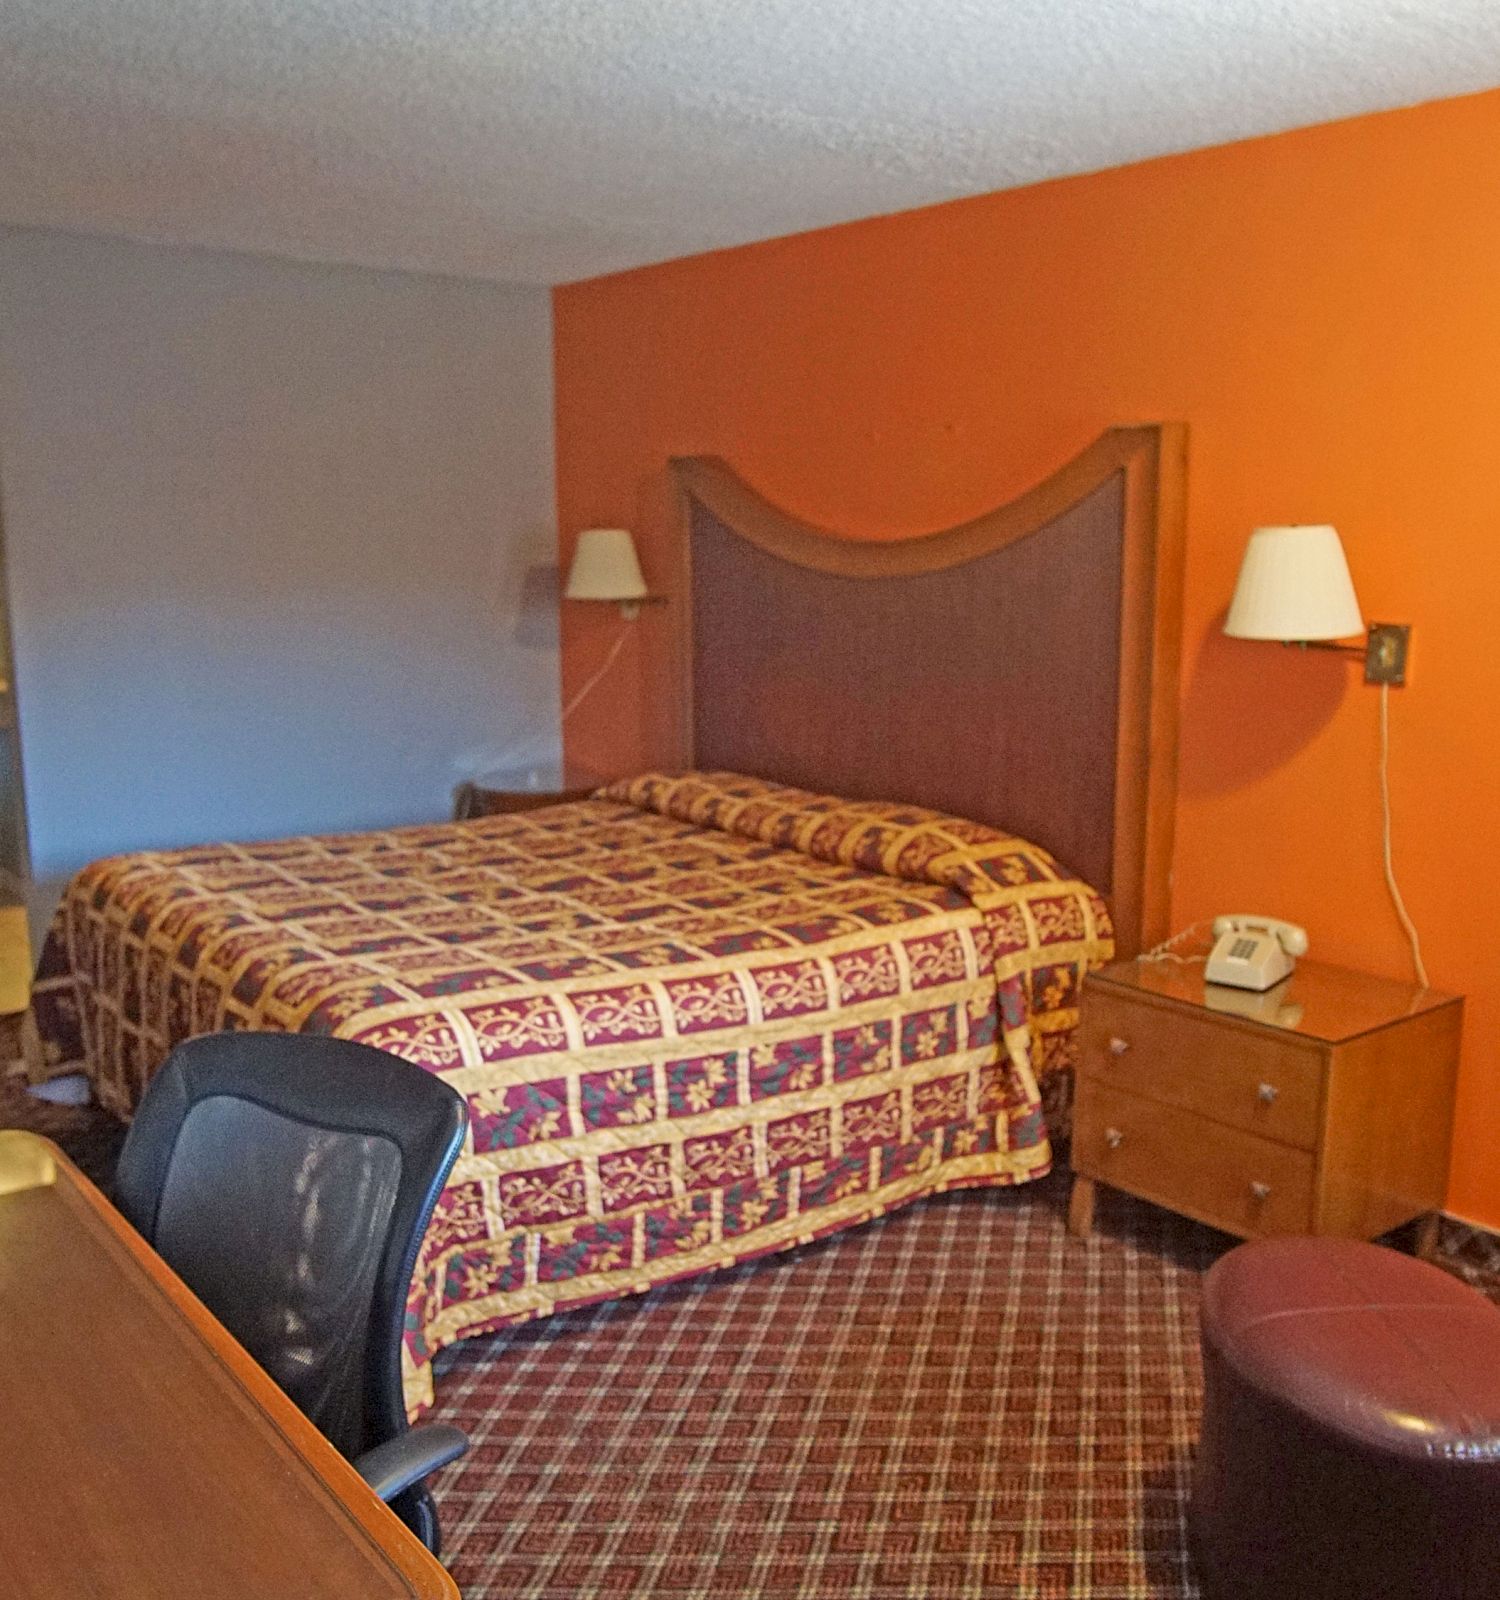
column 15, row 960
column 25, row 1162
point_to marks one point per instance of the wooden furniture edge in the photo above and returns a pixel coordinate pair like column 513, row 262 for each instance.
column 468, row 799
column 1153, row 459
column 1357, row 1078
column 1102, row 978
column 1336, row 1184
column 1151, row 601
column 717, row 486
column 427, row 1578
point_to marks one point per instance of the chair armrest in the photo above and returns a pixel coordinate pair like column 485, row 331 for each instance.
column 397, row 1464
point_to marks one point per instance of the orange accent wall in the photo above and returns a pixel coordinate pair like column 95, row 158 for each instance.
column 1322, row 308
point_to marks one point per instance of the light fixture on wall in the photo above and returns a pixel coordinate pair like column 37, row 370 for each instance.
column 1294, row 586
column 605, row 568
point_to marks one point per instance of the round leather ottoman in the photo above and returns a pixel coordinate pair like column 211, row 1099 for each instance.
column 1351, row 1428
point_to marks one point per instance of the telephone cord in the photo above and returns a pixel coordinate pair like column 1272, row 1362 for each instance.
column 1165, row 952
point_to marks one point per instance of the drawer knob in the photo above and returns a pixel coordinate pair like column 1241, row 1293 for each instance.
column 1113, row 1138
column 1260, row 1191
column 1118, row 1047
column 1268, row 1093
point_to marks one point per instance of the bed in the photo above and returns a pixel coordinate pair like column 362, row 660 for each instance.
column 731, row 1007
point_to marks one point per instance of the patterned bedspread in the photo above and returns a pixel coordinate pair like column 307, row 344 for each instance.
column 696, row 1019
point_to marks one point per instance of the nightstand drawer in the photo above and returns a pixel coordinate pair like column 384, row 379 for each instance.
column 1234, row 1180
column 1263, row 1083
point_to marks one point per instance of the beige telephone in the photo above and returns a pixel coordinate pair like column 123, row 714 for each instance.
column 1254, row 952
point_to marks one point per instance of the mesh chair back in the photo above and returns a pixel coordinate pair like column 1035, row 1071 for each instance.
column 288, row 1179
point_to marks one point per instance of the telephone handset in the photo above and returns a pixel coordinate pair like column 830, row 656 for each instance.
column 1254, row 952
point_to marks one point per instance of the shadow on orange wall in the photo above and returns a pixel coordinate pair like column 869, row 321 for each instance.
column 1249, row 707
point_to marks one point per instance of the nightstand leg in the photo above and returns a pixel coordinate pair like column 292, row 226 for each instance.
column 1081, row 1208
column 1426, row 1234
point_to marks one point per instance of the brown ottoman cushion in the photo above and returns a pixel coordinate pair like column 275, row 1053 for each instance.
column 1351, row 1428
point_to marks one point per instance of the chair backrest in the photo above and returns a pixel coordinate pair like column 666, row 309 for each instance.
column 288, row 1180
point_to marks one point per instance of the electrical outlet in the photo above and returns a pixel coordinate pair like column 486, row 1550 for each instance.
column 1386, row 649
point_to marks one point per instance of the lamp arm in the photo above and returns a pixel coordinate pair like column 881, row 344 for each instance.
column 1328, row 644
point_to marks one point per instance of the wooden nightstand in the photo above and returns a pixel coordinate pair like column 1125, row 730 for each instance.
column 1323, row 1106
column 495, row 792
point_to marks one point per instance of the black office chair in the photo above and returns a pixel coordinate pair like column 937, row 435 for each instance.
column 288, row 1179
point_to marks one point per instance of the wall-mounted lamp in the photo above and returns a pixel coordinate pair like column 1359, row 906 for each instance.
column 1294, row 586
column 605, row 567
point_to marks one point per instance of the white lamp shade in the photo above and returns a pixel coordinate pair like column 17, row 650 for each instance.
column 605, row 567
column 1294, row 584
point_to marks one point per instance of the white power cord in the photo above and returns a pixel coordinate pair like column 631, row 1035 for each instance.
column 1385, row 807
column 604, row 667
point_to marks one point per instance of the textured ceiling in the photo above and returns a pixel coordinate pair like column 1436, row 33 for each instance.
column 544, row 140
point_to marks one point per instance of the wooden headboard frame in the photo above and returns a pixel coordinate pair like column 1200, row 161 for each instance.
column 1020, row 669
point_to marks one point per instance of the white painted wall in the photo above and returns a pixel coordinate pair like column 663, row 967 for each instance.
column 279, row 541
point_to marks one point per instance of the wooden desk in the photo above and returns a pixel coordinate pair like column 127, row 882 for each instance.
column 142, row 1452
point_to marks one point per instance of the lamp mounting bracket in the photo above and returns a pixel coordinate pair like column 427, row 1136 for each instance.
column 1384, row 651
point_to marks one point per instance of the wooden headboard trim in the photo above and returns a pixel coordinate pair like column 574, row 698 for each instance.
column 713, row 483
column 1150, row 651
column 1152, row 462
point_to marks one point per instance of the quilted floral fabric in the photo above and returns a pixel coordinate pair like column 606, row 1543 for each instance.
column 696, row 1019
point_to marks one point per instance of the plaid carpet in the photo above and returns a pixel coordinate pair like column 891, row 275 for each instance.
column 956, row 1401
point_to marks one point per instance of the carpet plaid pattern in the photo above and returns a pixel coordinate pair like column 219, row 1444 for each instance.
column 959, row 1400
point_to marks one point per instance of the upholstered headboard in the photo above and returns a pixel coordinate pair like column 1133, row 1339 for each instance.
column 1020, row 669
